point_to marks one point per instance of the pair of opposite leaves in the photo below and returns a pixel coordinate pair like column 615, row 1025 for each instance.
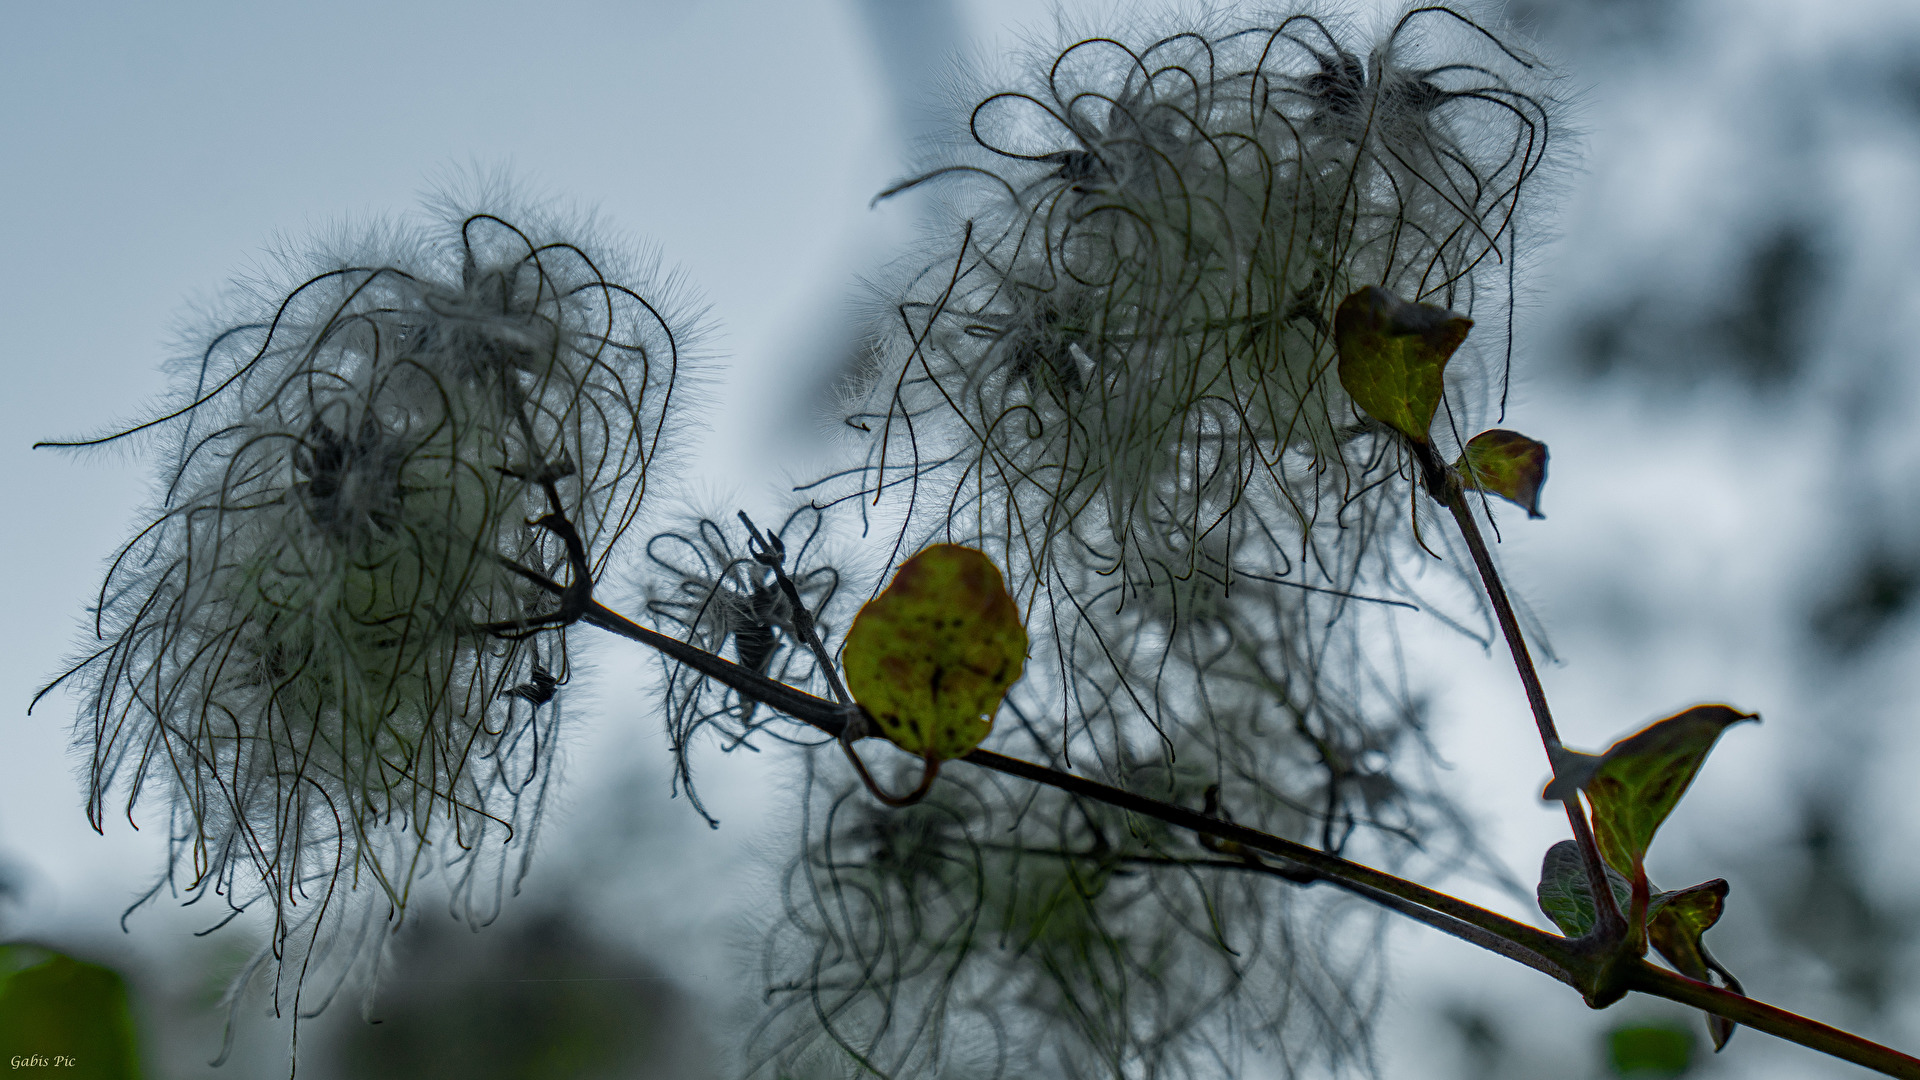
column 1393, row 359
column 1631, row 788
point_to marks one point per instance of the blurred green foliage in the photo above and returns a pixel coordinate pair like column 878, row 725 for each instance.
column 1650, row 1051
column 535, row 999
column 64, row 1017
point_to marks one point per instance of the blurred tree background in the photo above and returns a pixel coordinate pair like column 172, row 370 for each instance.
column 1718, row 345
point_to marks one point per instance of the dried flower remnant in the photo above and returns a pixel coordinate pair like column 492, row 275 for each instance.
column 328, row 651
column 1116, row 374
column 706, row 587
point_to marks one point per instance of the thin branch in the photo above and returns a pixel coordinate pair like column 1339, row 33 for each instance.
column 1444, row 486
column 1745, row 1011
column 1446, row 924
column 1562, row 958
column 832, row 719
column 1552, row 948
column 828, row 716
column 769, row 551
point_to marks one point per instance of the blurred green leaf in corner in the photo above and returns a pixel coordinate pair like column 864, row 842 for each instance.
column 63, row 1016
column 1650, row 1051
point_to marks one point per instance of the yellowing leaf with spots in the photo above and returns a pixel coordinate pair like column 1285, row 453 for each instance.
column 1393, row 356
column 931, row 657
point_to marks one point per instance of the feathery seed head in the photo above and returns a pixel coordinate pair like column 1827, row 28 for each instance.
column 1112, row 367
column 1125, row 326
column 330, row 648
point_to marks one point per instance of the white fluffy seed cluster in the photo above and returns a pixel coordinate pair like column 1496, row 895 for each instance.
column 329, row 650
column 1122, row 333
column 1112, row 368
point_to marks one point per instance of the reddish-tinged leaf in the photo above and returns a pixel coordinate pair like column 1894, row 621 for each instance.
column 1507, row 464
column 931, row 657
column 1674, row 928
column 1675, row 920
column 1639, row 780
column 1393, row 355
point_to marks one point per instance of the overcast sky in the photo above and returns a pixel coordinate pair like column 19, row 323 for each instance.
column 148, row 153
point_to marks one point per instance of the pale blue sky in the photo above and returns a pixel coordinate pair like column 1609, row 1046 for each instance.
column 150, row 152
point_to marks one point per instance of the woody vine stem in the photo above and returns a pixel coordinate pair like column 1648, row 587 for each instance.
column 1602, row 966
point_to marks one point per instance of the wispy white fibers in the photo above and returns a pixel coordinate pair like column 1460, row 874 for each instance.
column 1111, row 363
column 1111, row 367
column 330, row 652
column 1120, row 331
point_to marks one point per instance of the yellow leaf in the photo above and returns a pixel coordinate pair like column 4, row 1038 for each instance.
column 1393, row 356
column 931, row 657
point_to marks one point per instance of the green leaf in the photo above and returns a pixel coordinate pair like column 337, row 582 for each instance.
column 1639, row 780
column 1393, row 355
column 1675, row 920
column 931, row 657
column 1649, row 1051
column 1563, row 892
column 1507, row 464
column 1675, row 930
column 64, row 1016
